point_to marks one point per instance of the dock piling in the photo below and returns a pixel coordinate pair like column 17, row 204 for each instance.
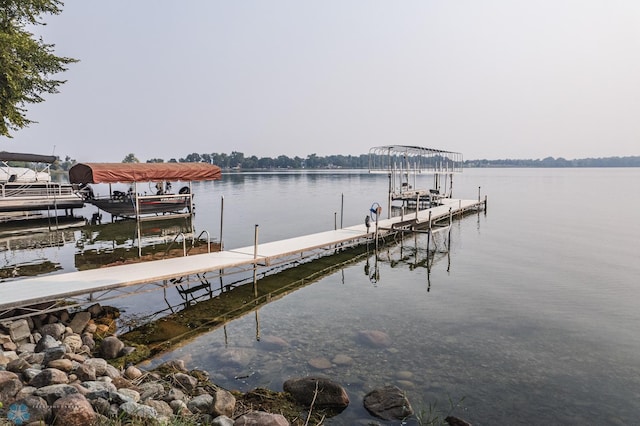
column 221, row 221
column 255, row 262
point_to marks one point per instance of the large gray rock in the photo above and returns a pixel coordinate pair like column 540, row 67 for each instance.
column 130, row 394
column 73, row 410
column 18, row 365
column 112, row 372
column 29, row 373
column 7, row 356
column 73, row 342
column 48, row 377
column 150, row 390
column 388, row 403
column 9, row 389
column 88, row 341
column 97, row 386
column 53, row 353
column 374, row 338
column 110, row 347
column 85, row 372
column 54, row 392
column 222, row 421
column 138, row 411
column 327, row 393
column 46, row 342
column 173, row 394
column 55, row 330
column 161, row 407
column 62, row 364
column 80, row 321
column 99, row 364
column 180, row 408
column 184, row 381
column 36, row 406
column 261, row 418
column 19, row 330
column 224, row 403
column 7, row 375
column 132, row 373
column 201, row 404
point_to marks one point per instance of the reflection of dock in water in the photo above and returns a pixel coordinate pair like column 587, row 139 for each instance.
column 35, row 244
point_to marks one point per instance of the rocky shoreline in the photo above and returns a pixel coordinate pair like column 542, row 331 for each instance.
column 67, row 369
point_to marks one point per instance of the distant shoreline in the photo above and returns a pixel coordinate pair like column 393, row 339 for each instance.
column 241, row 163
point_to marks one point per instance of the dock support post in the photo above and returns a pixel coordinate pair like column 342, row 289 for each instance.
column 485, row 204
column 429, row 237
column 221, row 221
column 377, row 216
column 342, row 211
column 389, row 199
column 255, row 263
column 449, row 236
column 335, row 221
column 417, row 205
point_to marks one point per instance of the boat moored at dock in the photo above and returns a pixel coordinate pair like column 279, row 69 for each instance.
column 31, row 188
column 133, row 203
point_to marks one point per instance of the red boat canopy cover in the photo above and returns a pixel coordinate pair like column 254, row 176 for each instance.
column 142, row 172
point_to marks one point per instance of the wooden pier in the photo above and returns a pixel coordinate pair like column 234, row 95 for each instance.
column 54, row 292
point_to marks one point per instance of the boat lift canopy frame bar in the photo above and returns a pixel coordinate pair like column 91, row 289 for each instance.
column 390, row 158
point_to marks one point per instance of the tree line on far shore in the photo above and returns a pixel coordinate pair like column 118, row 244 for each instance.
column 239, row 161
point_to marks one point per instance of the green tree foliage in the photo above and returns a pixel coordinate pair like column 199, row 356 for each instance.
column 130, row 158
column 27, row 64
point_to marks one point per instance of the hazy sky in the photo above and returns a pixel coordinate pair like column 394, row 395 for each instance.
column 488, row 78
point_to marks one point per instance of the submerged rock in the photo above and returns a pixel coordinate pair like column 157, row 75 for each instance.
column 327, row 393
column 320, row 363
column 374, row 338
column 388, row 403
column 261, row 418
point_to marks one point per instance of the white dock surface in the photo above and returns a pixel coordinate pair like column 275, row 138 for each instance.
column 60, row 286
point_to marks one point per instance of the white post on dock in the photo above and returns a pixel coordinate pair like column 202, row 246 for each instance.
column 221, row 221
column 378, row 211
column 138, row 226
column 389, row 198
column 342, row 211
column 429, row 237
column 449, row 236
column 255, row 262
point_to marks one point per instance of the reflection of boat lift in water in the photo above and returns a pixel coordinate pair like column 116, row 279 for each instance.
column 438, row 246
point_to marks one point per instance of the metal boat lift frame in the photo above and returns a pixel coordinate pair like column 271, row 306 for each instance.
column 403, row 164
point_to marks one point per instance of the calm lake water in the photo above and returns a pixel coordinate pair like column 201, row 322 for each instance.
column 530, row 319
